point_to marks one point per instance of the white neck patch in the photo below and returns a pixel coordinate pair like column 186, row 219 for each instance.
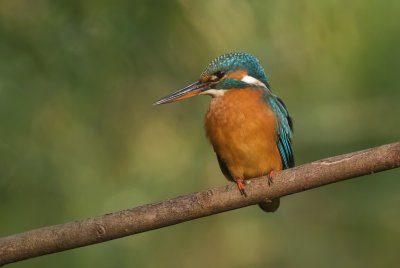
column 252, row 81
column 214, row 92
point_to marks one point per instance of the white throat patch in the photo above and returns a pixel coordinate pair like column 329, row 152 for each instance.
column 214, row 92
column 253, row 81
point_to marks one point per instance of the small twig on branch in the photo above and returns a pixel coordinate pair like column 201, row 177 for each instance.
column 75, row 234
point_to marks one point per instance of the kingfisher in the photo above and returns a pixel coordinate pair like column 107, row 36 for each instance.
column 248, row 126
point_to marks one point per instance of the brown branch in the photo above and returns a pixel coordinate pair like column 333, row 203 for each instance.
column 75, row 234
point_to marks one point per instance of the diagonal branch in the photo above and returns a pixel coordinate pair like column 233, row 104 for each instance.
column 76, row 234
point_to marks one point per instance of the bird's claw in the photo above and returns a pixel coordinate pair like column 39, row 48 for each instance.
column 270, row 177
column 240, row 184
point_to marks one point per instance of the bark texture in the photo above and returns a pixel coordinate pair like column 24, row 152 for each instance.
column 81, row 233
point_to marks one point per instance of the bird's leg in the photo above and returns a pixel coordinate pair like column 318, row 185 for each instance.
column 240, row 184
column 270, row 177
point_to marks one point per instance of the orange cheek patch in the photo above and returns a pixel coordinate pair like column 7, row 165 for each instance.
column 238, row 75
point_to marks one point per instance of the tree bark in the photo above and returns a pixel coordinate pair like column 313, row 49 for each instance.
column 81, row 233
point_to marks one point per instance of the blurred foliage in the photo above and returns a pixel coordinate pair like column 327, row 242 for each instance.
column 79, row 136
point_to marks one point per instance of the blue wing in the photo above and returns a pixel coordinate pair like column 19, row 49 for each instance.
column 285, row 129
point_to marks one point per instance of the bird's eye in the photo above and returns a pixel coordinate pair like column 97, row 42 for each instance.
column 217, row 75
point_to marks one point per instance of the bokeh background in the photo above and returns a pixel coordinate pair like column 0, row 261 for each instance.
column 79, row 136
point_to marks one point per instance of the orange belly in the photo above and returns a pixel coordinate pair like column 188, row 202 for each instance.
column 242, row 129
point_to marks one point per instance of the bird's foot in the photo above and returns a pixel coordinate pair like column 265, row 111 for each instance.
column 270, row 177
column 240, row 184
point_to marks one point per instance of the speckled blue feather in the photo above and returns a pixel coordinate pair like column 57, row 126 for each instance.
column 237, row 61
column 285, row 129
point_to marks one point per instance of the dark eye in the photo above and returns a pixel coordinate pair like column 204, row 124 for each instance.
column 217, row 75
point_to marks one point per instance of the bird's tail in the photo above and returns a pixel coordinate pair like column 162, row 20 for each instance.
column 270, row 205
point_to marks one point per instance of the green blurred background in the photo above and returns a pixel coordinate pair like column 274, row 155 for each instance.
column 79, row 136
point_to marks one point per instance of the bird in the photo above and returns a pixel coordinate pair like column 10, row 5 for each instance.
column 248, row 126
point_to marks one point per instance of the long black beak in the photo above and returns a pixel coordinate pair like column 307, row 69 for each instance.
column 184, row 93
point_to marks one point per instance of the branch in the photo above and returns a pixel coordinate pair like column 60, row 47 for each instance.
column 76, row 234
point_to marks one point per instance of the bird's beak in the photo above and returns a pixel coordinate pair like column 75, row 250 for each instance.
column 184, row 93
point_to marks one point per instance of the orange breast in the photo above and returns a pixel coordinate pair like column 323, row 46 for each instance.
column 242, row 130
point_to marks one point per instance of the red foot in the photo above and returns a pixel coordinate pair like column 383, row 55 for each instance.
column 271, row 176
column 240, row 184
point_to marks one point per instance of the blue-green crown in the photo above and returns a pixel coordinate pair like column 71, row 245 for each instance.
column 237, row 61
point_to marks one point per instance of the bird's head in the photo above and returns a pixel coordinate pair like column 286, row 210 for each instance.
column 227, row 72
